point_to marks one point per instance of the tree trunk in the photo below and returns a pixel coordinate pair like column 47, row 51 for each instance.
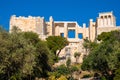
column 8, row 75
column 77, row 59
column 59, row 52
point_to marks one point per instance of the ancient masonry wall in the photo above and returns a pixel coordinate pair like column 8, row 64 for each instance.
column 105, row 22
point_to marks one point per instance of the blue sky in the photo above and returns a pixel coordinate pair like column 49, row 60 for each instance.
column 61, row 10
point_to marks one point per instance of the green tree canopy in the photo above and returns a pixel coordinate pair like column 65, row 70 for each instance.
column 56, row 43
column 77, row 55
column 88, row 45
column 22, row 55
column 104, row 57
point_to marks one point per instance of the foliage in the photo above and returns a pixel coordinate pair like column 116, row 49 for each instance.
column 63, row 70
column 62, row 78
column 52, row 78
column 86, row 43
column 104, row 58
column 56, row 43
column 74, row 68
column 77, row 55
column 42, row 63
column 103, row 78
column 104, row 36
column 59, row 71
column 109, row 36
column 117, row 74
column 87, row 76
column 15, row 29
column 31, row 37
column 68, row 62
column 22, row 55
column 89, row 46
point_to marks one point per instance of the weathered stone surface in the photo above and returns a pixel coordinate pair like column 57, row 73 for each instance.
column 105, row 22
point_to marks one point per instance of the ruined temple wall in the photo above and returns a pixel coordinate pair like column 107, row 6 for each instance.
column 106, row 29
column 34, row 24
column 23, row 23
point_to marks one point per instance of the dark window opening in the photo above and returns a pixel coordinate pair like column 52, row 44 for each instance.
column 71, row 33
column 62, row 34
column 80, row 35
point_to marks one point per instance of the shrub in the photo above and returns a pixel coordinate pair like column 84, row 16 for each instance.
column 51, row 78
column 103, row 78
column 74, row 68
column 68, row 62
column 63, row 70
column 87, row 76
column 62, row 78
column 117, row 74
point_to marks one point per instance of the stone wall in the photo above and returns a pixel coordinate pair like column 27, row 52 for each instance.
column 105, row 22
column 34, row 24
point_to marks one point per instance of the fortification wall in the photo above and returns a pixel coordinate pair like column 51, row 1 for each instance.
column 106, row 29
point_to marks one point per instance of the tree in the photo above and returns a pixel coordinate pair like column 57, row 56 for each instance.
column 4, row 52
column 77, row 55
column 86, row 45
column 23, row 56
column 89, row 46
column 56, row 43
column 62, row 70
column 104, row 36
column 15, row 29
column 117, row 74
column 104, row 58
column 31, row 37
column 42, row 60
column 68, row 62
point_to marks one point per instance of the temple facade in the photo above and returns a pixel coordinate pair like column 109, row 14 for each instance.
column 74, row 33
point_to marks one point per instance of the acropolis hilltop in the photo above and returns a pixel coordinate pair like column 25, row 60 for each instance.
column 74, row 33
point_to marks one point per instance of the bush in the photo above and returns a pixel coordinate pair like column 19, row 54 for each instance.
column 87, row 76
column 103, row 78
column 51, row 78
column 74, row 68
column 71, row 78
column 68, row 62
column 63, row 70
column 117, row 74
column 62, row 78
column 60, row 70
